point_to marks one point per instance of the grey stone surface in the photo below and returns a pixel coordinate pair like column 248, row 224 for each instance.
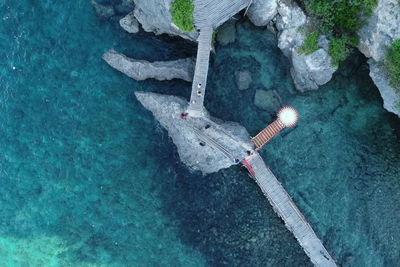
column 308, row 71
column 207, row 159
column 391, row 99
column 104, row 11
column 129, row 23
column 311, row 71
column 141, row 69
column 227, row 33
column 154, row 16
column 243, row 79
column 262, row 11
column 382, row 29
column 267, row 100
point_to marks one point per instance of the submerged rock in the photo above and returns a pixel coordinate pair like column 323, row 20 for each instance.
column 129, row 23
column 192, row 151
column 262, row 11
column 227, row 33
column 160, row 70
column 103, row 11
column 154, row 16
column 125, row 6
column 267, row 100
column 391, row 99
column 243, row 79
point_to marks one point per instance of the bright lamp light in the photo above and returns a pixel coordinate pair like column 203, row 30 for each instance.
column 288, row 116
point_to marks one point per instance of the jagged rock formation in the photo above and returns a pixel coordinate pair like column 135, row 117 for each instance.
column 167, row 109
column 382, row 28
column 159, row 70
column 129, row 23
column 308, row 71
column 391, row 99
column 154, row 16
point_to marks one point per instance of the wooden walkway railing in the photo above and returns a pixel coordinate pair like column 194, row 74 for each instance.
column 288, row 211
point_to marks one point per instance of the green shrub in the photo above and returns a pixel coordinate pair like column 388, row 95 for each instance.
column 182, row 14
column 339, row 20
column 340, row 48
column 392, row 63
column 214, row 36
column 310, row 44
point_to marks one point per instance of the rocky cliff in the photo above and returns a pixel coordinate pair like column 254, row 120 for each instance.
column 308, row 71
column 192, row 150
column 381, row 29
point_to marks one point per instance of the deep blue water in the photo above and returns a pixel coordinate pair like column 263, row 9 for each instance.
column 88, row 178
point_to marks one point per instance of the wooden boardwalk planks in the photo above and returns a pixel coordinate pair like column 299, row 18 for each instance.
column 288, row 211
column 200, row 72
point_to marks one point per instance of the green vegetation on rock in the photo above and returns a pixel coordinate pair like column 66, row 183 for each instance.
column 340, row 48
column 214, row 36
column 310, row 44
column 339, row 20
column 182, row 14
column 392, row 64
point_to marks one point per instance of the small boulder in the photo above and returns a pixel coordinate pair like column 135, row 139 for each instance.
column 243, row 79
column 262, row 11
column 103, row 11
column 129, row 23
column 267, row 100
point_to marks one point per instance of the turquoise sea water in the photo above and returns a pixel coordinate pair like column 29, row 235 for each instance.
column 88, row 178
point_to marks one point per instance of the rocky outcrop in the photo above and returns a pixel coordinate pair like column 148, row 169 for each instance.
column 262, row 11
column 243, row 79
column 159, row 70
column 381, row 29
column 308, row 71
column 391, row 99
column 154, row 16
column 192, row 151
column 129, row 23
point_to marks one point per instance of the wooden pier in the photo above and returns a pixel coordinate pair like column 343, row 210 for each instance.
column 200, row 72
column 208, row 15
column 288, row 211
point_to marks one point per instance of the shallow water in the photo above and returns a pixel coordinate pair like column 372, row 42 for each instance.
column 90, row 179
